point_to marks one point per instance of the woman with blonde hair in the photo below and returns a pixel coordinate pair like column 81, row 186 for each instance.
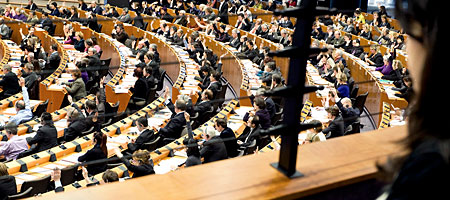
column 140, row 165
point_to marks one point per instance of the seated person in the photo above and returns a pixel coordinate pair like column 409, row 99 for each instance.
column 92, row 117
column 214, row 85
column 46, row 136
column 108, row 176
column 99, row 151
column 192, row 151
column 145, row 135
column 9, row 82
column 76, row 125
column 203, row 105
column 24, row 112
column 315, row 134
column 176, row 124
column 349, row 113
column 228, row 137
column 336, row 126
column 119, row 34
column 213, row 148
column 141, row 165
column 260, row 110
column 15, row 144
column 77, row 88
column 249, row 134
column 7, row 183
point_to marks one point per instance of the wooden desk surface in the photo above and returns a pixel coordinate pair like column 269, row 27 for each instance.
column 326, row 165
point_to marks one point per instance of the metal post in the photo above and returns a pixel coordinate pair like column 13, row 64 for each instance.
column 296, row 79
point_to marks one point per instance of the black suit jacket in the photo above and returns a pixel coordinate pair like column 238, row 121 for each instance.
column 215, row 87
column 95, row 153
column 223, row 12
column 140, row 88
column 75, row 129
column 138, row 171
column 230, row 141
column 45, row 138
column 174, row 127
column 53, row 61
column 10, row 84
column 201, row 107
column 248, row 136
column 145, row 137
column 214, row 149
column 336, row 128
column 7, row 186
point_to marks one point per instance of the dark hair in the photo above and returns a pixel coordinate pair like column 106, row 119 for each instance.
column 11, row 128
column 255, row 120
column 91, row 104
column 54, row 47
column 209, row 94
column 260, row 103
column 192, row 148
column 216, row 75
column 222, row 122
column 142, row 121
column 110, row 176
column 47, row 118
column 333, row 110
column 138, row 72
column 276, row 78
column 148, row 69
column 101, row 140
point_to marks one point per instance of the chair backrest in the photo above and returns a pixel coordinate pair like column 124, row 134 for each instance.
column 39, row 185
column 145, row 26
column 277, row 116
column 151, row 146
column 33, row 91
column 354, row 91
column 68, row 175
column 360, row 101
column 203, row 117
column 161, row 79
column 21, row 195
column 99, row 28
column 41, row 108
column 151, row 95
column 90, row 84
column 111, row 110
column 251, row 148
column 355, row 128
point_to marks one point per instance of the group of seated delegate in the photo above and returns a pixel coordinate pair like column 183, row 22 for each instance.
column 216, row 143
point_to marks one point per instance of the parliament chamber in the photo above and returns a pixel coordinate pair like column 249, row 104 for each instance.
column 112, row 102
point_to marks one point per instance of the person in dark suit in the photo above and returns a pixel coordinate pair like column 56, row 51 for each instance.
column 53, row 7
column 192, row 151
column 223, row 11
column 31, row 5
column 140, row 87
column 9, row 82
column 141, row 165
column 119, row 34
column 53, row 60
column 76, row 125
column 336, row 126
column 249, row 134
column 227, row 136
column 357, row 50
column 176, row 124
column 205, row 73
column 349, row 113
column 146, row 135
column 235, row 41
column 270, row 104
column 99, row 151
column 213, row 148
column 203, row 105
column 215, row 85
column 148, row 75
column 92, row 116
column 7, row 183
column 375, row 58
column 260, row 110
column 46, row 136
